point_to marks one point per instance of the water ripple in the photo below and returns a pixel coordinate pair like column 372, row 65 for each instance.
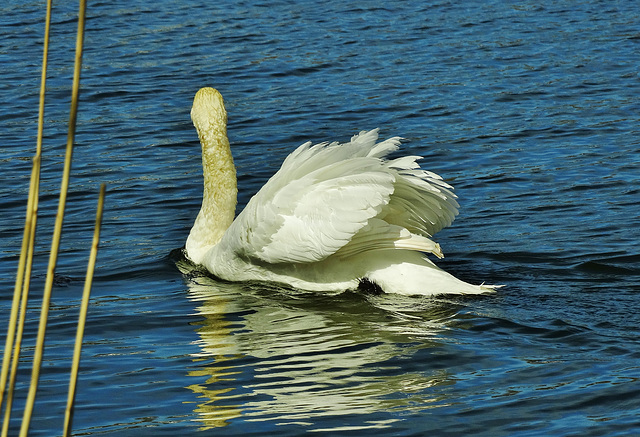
column 529, row 110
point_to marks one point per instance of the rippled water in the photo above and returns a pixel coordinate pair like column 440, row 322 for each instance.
column 530, row 110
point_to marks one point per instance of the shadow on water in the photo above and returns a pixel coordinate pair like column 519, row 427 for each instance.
column 276, row 355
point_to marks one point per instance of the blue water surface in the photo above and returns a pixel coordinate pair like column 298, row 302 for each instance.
column 529, row 109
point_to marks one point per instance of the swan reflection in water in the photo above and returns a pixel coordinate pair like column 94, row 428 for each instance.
column 274, row 354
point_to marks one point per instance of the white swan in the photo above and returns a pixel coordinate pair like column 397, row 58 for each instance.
column 334, row 216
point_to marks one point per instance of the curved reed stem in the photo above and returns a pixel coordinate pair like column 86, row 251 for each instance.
column 21, row 288
column 32, row 218
column 55, row 244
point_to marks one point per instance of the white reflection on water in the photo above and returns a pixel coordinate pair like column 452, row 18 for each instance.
column 272, row 354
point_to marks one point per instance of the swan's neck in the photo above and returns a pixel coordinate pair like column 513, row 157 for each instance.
column 220, row 188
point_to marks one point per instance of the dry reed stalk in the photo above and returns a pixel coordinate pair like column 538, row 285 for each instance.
column 55, row 244
column 21, row 288
column 32, row 213
column 68, row 419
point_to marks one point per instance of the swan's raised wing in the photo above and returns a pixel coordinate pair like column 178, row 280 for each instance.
column 342, row 197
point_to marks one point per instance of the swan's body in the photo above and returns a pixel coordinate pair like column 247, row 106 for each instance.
column 332, row 216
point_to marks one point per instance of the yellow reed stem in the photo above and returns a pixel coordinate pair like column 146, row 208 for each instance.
column 68, row 418
column 32, row 204
column 32, row 212
column 55, row 244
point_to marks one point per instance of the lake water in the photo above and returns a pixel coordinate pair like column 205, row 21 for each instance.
column 530, row 109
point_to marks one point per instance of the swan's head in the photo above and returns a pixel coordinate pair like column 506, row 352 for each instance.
column 208, row 113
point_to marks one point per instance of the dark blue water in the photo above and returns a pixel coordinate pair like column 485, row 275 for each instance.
column 530, row 110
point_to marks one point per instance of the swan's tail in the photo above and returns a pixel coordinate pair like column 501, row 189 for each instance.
column 417, row 275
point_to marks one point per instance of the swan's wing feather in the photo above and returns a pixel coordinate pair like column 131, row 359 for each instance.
column 327, row 197
column 378, row 235
column 319, row 199
column 311, row 218
column 422, row 202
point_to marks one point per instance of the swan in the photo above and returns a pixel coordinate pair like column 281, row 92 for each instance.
column 334, row 217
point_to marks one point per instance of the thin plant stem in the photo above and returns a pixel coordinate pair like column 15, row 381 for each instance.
column 55, row 244
column 68, row 419
column 33, row 212
column 32, row 204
